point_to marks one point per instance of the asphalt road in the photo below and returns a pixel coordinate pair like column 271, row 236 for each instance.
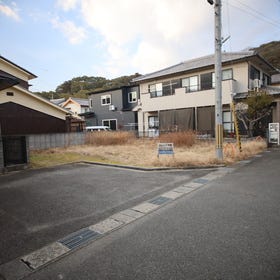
column 228, row 229
column 38, row 207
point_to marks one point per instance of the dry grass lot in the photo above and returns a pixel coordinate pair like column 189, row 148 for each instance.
column 125, row 149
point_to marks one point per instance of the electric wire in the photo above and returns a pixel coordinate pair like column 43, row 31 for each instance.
column 259, row 13
column 254, row 13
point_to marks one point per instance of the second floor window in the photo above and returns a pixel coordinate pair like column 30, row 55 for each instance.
column 266, row 80
column 207, row 81
column 132, row 97
column 227, row 74
column 155, row 90
column 190, row 83
column 165, row 88
column 106, row 99
column 254, row 73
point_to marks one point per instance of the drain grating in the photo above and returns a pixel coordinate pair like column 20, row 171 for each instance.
column 200, row 181
column 79, row 238
column 159, row 200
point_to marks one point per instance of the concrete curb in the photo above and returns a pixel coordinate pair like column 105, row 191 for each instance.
column 152, row 168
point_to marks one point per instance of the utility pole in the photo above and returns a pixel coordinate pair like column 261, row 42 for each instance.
column 218, row 78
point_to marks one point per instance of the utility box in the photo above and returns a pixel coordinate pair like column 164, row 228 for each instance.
column 273, row 133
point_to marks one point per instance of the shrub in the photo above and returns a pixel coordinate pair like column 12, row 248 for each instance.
column 109, row 138
column 179, row 139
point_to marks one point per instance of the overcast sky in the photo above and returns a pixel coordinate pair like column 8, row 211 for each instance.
column 61, row 39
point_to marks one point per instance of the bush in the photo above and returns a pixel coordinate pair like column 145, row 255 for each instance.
column 109, row 137
column 179, row 139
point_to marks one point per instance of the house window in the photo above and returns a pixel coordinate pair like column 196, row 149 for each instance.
column 132, row 97
column 228, row 121
column 165, row 88
column 168, row 87
column 110, row 123
column 106, row 99
column 190, row 83
column 227, row 74
column 207, row 81
column 254, row 73
column 84, row 109
column 153, row 122
column 155, row 90
column 266, row 80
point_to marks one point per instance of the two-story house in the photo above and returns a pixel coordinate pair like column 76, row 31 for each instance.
column 76, row 105
column 23, row 112
column 182, row 96
column 114, row 108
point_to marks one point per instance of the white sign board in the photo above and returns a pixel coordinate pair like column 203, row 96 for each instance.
column 165, row 149
column 273, row 133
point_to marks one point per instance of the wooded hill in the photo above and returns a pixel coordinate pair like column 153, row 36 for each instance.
column 81, row 86
column 271, row 52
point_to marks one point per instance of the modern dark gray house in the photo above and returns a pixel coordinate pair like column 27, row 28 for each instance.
column 114, row 108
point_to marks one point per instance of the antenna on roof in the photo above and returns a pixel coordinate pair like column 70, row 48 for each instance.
column 224, row 40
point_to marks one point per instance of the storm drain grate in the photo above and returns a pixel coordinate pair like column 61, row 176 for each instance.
column 79, row 238
column 200, row 181
column 159, row 200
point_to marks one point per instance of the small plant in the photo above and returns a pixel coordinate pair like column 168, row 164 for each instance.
column 109, row 138
column 179, row 139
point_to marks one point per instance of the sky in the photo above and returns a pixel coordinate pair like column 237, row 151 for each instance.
column 58, row 40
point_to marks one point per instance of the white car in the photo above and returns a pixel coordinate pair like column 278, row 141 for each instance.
column 98, row 128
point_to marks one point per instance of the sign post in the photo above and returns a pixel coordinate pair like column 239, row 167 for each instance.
column 165, row 149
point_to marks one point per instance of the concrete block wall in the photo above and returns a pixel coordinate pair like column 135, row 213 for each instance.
column 55, row 140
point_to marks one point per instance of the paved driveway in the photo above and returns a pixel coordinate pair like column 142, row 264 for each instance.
column 41, row 206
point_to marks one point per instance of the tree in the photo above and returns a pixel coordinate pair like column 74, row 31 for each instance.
column 256, row 107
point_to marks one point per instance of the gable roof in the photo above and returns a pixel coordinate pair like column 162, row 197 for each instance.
column 79, row 101
column 199, row 63
column 29, row 74
column 57, row 101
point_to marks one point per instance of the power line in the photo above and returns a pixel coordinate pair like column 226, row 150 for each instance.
column 253, row 12
column 258, row 12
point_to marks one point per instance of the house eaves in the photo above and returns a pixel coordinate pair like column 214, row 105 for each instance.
column 83, row 102
column 110, row 89
column 29, row 74
column 200, row 63
column 41, row 99
column 7, row 82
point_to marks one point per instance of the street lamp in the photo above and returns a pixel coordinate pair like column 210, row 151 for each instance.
column 218, row 79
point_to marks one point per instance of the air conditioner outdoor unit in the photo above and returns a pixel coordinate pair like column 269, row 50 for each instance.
column 257, row 83
column 112, row 108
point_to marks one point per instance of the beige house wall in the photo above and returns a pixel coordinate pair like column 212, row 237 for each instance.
column 13, row 70
column 181, row 99
column 74, row 107
column 29, row 100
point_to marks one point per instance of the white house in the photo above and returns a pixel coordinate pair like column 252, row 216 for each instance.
column 182, row 96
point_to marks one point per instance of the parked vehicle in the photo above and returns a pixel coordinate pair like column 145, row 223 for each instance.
column 97, row 128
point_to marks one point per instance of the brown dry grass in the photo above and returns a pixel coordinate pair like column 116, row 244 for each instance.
column 107, row 138
column 143, row 152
